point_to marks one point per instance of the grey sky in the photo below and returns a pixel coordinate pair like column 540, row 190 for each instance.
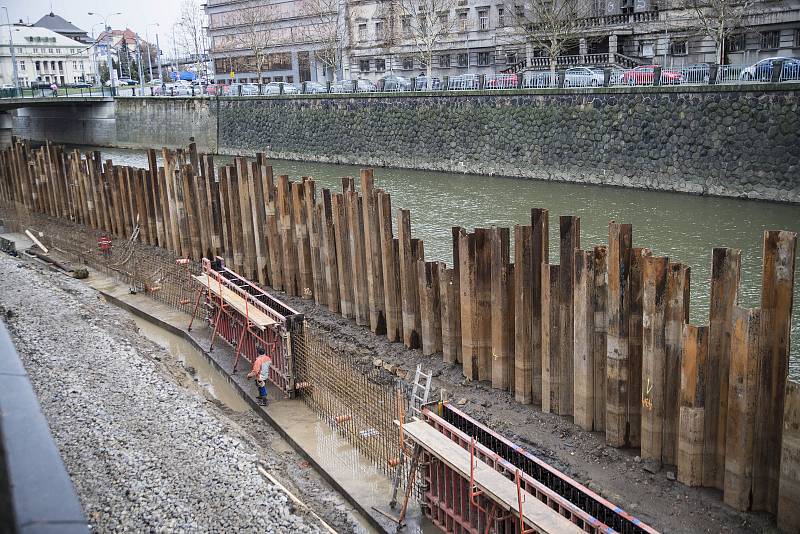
column 136, row 14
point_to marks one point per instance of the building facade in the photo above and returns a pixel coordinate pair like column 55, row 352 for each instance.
column 61, row 26
column 374, row 37
column 44, row 56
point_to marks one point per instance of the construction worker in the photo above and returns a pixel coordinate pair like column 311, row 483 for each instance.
column 261, row 373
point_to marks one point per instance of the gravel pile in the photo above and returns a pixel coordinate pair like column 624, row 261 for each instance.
column 144, row 453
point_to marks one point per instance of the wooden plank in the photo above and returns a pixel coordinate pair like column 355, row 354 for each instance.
column 449, row 311
column 540, row 255
column 526, row 367
column 119, row 228
column 494, row 485
column 408, row 283
column 391, row 269
column 274, row 247
column 502, row 311
column 552, row 370
column 301, row 240
column 725, row 274
column 259, row 222
column 315, row 242
column 430, row 306
column 245, row 219
column 202, row 212
column 455, row 232
column 789, row 489
column 235, row 215
column 224, row 210
column 777, row 290
column 291, row 282
column 635, row 347
column 158, row 197
column 483, row 300
column 619, row 263
column 600, row 297
column 692, row 411
column 469, row 312
column 190, row 206
column 217, row 244
column 583, row 339
column 742, row 393
column 137, row 180
column 569, row 241
column 329, row 246
column 654, row 356
column 343, row 255
column 169, row 173
column 355, row 221
column 236, row 301
column 677, row 315
column 372, row 252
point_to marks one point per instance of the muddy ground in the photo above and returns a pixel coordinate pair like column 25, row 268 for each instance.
column 616, row 474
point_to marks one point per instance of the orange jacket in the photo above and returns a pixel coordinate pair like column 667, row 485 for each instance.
column 258, row 364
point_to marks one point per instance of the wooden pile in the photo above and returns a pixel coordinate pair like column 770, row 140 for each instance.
column 603, row 336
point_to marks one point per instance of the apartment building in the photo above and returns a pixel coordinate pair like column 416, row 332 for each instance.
column 43, row 55
column 375, row 37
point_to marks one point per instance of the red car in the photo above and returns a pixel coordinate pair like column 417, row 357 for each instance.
column 643, row 75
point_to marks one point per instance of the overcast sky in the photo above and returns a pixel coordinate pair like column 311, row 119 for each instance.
column 136, row 14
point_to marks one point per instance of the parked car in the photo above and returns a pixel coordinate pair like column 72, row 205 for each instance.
column 696, row 73
column 421, row 84
column 316, row 87
column 762, row 71
column 502, row 81
column 643, row 75
column 274, row 88
column 346, row 86
column 173, row 89
column 242, row 89
column 80, row 85
column 464, row 81
column 542, row 78
column 583, row 77
column 393, row 82
column 214, row 89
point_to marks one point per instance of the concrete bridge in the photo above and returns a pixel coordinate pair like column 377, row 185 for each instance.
column 85, row 115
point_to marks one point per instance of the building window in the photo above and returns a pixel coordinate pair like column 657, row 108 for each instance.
column 362, row 32
column 679, row 48
column 770, row 40
column 511, row 58
column 408, row 63
column 444, row 61
column 797, row 38
column 21, row 65
column 60, row 66
column 49, row 50
column 483, row 59
column 379, row 31
column 380, row 65
column 501, row 17
column 483, row 19
column 363, row 65
column 462, row 21
column 75, row 65
column 290, row 79
column 444, row 16
column 463, row 60
column 406, row 25
column 38, row 65
column 736, row 43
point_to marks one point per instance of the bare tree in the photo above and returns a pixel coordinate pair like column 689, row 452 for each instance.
column 327, row 27
column 254, row 33
column 427, row 23
column 191, row 33
column 719, row 19
column 551, row 25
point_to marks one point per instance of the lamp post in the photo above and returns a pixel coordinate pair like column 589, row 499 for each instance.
column 11, row 45
column 149, row 60
column 158, row 59
column 109, row 62
column 94, row 53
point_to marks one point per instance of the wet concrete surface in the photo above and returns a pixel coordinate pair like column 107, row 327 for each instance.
column 302, row 430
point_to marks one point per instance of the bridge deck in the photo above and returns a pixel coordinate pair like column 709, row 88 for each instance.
column 495, row 486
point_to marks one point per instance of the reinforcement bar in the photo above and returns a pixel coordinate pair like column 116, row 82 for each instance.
column 597, row 514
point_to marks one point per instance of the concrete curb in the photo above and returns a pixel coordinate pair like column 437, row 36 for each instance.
column 36, row 489
column 367, row 514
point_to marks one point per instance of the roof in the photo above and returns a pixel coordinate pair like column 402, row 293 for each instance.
column 58, row 24
column 34, row 35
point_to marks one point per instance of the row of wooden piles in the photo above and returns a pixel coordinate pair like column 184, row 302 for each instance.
column 603, row 336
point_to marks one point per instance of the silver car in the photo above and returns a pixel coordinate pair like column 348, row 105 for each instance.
column 274, row 88
column 242, row 89
column 583, row 77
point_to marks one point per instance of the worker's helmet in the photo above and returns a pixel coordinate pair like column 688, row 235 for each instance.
column 261, row 351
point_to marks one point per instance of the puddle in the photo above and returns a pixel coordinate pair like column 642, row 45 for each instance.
column 207, row 376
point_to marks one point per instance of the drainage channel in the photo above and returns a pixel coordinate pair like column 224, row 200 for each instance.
column 343, row 459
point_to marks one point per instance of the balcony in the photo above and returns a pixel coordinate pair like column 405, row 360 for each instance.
column 604, row 59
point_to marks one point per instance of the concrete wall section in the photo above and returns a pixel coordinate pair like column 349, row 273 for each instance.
column 701, row 140
column 88, row 124
column 156, row 122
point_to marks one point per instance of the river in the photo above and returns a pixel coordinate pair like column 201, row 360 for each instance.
column 683, row 227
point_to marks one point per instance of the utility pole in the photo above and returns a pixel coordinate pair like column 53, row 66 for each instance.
column 107, row 39
column 158, row 59
column 149, row 51
column 139, row 61
column 13, row 55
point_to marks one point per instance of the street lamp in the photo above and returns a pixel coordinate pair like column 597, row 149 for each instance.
column 11, row 45
column 94, row 52
column 108, row 45
column 149, row 60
